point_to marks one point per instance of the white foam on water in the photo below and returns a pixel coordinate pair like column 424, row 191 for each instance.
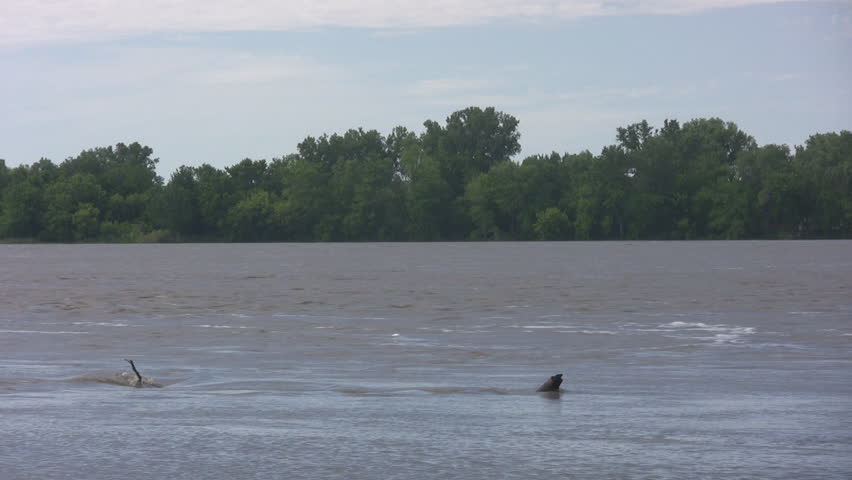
column 722, row 338
column 780, row 346
column 723, row 334
column 543, row 326
column 684, row 325
column 221, row 326
column 398, row 340
column 598, row 332
column 562, row 328
column 101, row 324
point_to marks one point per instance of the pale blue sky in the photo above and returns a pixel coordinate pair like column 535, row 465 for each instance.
column 215, row 82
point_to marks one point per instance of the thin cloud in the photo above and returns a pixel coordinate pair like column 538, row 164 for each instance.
column 501, row 102
column 629, row 92
column 41, row 21
column 441, row 86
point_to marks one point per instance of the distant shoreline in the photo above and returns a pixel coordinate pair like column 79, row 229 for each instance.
column 458, row 181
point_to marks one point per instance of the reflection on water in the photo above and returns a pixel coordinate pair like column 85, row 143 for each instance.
column 681, row 360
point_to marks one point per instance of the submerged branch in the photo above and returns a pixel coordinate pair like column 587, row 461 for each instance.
column 138, row 375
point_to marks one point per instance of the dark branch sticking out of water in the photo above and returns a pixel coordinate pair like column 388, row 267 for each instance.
column 140, row 381
column 138, row 375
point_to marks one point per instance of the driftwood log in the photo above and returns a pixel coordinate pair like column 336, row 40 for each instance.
column 552, row 384
column 138, row 375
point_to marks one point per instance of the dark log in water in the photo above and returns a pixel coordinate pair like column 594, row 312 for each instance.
column 552, row 384
column 138, row 375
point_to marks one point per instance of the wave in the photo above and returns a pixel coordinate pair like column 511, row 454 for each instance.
column 46, row 332
column 543, row 326
column 123, row 379
column 13, row 383
column 221, row 326
column 723, row 334
column 430, row 390
column 101, row 324
column 597, row 332
column 568, row 329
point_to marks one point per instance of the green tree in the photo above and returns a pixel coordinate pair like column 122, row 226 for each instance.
column 216, row 193
column 495, row 202
column 471, row 143
column 824, row 167
column 544, row 182
column 178, row 207
column 306, row 198
column 552, row 224
column 64, row 198
column 428, row 197
column 85, row 222
column 20, row 214
column 253, row 218
column 248, row 175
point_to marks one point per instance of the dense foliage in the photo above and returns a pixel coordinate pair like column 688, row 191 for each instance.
column 701, row 180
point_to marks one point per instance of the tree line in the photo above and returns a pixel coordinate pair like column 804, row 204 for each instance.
column 705, row 179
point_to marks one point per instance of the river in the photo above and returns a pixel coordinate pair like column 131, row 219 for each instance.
column 421, row 360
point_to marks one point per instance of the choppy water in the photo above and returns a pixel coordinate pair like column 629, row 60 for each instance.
column 410, row 361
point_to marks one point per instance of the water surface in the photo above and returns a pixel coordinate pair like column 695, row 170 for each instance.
column 411, row 361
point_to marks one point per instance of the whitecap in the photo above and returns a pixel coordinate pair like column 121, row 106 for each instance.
column 409, row 341
column 100, row 324
column 679, row 324
column 544, row 326
column 220, row 326
column 722, row 338
column 724, row 334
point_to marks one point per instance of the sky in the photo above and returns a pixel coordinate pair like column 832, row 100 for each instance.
column 217, row 81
